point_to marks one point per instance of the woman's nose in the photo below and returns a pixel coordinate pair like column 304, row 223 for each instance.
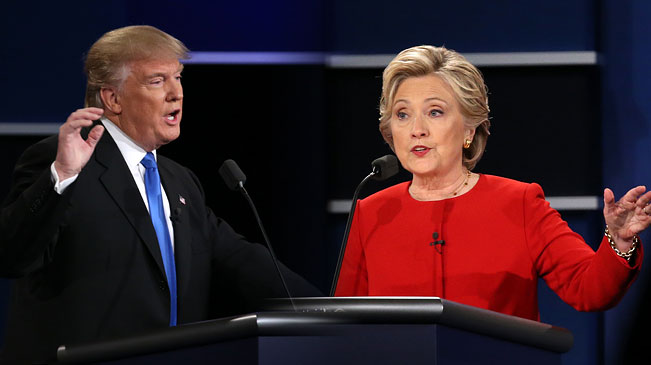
column 419, row 128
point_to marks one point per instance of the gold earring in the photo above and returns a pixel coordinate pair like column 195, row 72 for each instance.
column 467, row 143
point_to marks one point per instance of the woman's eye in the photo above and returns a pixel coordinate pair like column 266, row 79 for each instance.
column 401, row 115
column 435, row 113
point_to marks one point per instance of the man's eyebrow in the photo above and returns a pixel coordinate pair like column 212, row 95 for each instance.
column 155, row 75
column 162, row 74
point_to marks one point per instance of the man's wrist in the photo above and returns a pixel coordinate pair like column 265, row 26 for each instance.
column 61, row 185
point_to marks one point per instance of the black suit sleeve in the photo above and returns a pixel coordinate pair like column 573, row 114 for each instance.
column 32, row 213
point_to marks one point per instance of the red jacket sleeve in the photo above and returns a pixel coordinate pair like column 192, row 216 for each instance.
column 586, row 280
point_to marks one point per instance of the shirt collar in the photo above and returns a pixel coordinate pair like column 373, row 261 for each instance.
column 131, row 152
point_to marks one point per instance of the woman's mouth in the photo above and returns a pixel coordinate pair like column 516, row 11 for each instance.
column 420, row 150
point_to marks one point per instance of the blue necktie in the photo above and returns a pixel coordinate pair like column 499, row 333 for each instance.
column 155, row 198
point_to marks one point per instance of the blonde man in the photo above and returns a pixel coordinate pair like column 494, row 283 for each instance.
column 105, row 237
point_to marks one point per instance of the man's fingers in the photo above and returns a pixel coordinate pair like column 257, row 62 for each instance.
column 94, row 113
column 94, row 110
column 82, row 118
column 94, row 135
column 87, row 113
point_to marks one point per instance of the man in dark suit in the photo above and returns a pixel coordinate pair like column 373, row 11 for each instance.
column 79, row 228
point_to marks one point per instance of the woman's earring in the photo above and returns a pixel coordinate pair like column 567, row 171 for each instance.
column 467, row 143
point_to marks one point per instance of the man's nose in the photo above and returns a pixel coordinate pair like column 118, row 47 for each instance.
column 175, row 91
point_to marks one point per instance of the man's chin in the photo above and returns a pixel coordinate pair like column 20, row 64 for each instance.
column 163, row 140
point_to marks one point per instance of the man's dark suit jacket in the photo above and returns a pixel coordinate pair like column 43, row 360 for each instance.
column 87, row 262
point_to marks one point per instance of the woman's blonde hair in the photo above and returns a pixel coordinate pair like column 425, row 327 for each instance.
column 465, row 80
column 107, row 62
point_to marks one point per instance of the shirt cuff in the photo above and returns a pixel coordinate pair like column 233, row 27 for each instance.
column 61, row 186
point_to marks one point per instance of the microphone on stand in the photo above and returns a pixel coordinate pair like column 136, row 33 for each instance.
column 235, row 179
column 383, row 168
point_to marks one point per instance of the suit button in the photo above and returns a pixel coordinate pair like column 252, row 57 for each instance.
column 162, row 285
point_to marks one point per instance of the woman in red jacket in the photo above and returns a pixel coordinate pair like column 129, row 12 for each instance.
column 499, row 235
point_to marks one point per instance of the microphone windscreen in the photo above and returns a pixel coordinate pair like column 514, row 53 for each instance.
column 232, row 174
column 385, row 167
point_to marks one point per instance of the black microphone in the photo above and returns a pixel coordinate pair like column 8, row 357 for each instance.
column 232, row 175
column 383, row 168
column 437, row 242
column 235, row 179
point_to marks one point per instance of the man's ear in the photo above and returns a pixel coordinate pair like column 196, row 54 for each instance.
column 111, row 99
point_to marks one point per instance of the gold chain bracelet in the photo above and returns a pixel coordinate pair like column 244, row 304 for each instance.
column 628, row 254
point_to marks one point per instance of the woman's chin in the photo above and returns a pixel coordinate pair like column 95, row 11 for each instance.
column 424, row 173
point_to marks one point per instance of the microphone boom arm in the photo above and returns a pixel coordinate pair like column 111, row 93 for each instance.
column 383, row 168
column 234, row 179
column 351, row 213
column 266, row 238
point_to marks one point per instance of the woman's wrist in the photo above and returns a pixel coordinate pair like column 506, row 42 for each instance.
column 631, row 244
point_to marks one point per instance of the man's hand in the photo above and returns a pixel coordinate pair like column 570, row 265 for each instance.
column 74, row 152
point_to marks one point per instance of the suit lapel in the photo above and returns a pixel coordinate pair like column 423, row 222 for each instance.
column 118, row 183
column 180, row 220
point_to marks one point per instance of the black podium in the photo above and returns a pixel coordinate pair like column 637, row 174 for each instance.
column 360, row 330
